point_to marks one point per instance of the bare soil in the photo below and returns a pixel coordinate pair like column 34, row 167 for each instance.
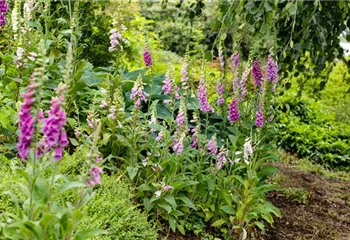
column 325, row 216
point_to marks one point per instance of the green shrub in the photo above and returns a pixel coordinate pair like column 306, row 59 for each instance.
column 9, row 183
column 112, row 207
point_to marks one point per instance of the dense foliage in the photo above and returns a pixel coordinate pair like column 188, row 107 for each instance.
column 116, row 133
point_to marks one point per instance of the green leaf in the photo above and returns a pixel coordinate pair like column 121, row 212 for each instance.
column 292, row 10
column 218, row 223
column 267, row 6
column 86, row 234
column 132, row 171
column 171, row 200
column 165, row 206
column 267, row 171
column 228, row 209
column 187, row 202
column 181, row 229
column 70, row 185
column 172, row 224
column 74, row 142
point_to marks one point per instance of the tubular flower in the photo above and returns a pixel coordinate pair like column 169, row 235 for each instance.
column 211, row 145
column 259, row 122
column 147, row 58
column 19, row 60
column 235, row 83
column 3, row 11
column 184, row 75
column 235, row 58
column 167, row 86
column 247, row 150
column 92, row 120
column 271, row 70
column 202, row 95
column 243, row 84
column 222, row 158
column 26, row 122
column 54, row 134
column 137, row 93
column 116, row 40
column 257, row 73
column 176, row 92
column 233, row 114
column 95, row 175
column 181, row 129
column 220, row 89
column 112, row 112
column 28, row 8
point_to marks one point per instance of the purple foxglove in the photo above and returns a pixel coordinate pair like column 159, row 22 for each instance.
column 220, row 89
column 147, row 58
column 259, row 122
column 222, row 158
column 243, row 84
column 54, row 134
column 3, row 12
column 271, row 70
column 257, row 73
column 95, row 176
column 211, row 145
column 235, row 58
column 202, row 95
column 167, row 84
column 233, row 114
column 137, row 93
column 26, row 123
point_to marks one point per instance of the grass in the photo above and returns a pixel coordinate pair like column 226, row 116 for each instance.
column 306, row 165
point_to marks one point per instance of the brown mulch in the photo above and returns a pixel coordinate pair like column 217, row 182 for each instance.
column 326, row 216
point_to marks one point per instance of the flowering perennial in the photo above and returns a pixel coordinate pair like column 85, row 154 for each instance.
column 257, row 73
column 54, row 134
column 3, row 11
column 243, row 83
column 167, row 86
column 202, row 95
column 247, row 150
column 116, row 40
column 95, row 173
column 26, row 122
column 147, row 58
column 137, row 93
column 212, row 147
column 235, row 58
column 233, row 114
column 181, row 129
column 220, row 89
column 271, row 70
column 259, row 122
column 222, row 158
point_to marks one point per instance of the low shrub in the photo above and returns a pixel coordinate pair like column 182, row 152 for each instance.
column 112, row 207
column 305, row 130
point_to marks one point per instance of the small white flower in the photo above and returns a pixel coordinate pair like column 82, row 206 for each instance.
column 158, row 193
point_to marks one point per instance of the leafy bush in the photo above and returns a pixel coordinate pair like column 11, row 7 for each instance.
column 112, row 208
column 306, row 130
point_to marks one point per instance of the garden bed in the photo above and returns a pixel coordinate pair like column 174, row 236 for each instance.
column 326, row 214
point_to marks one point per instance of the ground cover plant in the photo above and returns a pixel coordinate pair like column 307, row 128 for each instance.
column 111, row 137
